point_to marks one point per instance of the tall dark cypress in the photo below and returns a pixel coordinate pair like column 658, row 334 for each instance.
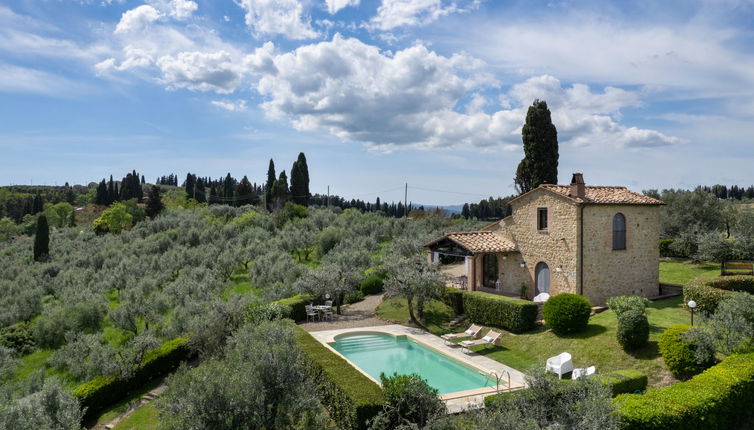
column 101, row 196
column 154, row 202
column 42, row 239
column 213, row 200
column 37, row 206
column 268, row 187
column 280, row 191
column 540, row 138
column 245, row 193
column 228, row 188
column 110, row 191
column 300, row 181
column 143, row 180
column 190, row 185
column 199, row 193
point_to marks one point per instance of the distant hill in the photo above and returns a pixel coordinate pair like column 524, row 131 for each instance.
column 454, row 209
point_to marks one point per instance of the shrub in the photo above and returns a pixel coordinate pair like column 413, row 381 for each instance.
column 511, row 314
column 297, row 305
column 353, row 297
column 678, row 352
column 103, row 391
column 453, row 297
column 351, row 398
column 733, row 283
column 372, row 285
column 719, row 398
column 409, row 399
column 567, row 313
column 17, row 337
column 622, row 304
column 732, row 324
column 665, row 248
column 706, row 297
column 625, row 381
column 633, row 329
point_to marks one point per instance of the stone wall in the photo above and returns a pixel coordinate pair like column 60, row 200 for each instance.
column 633, row 271
column 557, row 246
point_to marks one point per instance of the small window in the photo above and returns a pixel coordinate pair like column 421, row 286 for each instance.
column 619, row 232
column 542, row 219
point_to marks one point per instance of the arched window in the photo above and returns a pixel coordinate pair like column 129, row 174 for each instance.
column 619, row 231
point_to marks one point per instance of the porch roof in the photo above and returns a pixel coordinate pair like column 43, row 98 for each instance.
column 476, row 241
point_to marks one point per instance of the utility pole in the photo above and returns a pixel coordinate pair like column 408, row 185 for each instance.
column 405, row 201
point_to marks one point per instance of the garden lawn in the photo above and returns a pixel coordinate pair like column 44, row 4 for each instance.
column 438, row 314
column 115, row 410
column 240, row 284
column 680, row 272
column 146, row 417
column 596, row 346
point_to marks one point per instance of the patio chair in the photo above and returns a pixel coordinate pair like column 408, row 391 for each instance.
column 472, row 331
column 311, row 313
column 491, row 338
column 560, row 364
column 586, row 372
column 328, row 303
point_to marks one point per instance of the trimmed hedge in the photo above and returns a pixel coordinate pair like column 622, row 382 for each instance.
column 633, row 329
column 625, row 381
column 453, row 297
column 707, row 293
column 719, row 398
column 567, row 313
column 351, row 398
column 678, row 354
column 103, row 391
column 297, row 304
column 515, row 315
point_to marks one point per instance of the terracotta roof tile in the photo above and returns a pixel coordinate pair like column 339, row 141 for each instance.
column 606, row 195
column 481, row 241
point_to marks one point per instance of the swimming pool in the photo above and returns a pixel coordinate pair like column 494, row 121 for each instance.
column 377, row 353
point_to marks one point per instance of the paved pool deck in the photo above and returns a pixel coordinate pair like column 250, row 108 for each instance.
column 456, row 402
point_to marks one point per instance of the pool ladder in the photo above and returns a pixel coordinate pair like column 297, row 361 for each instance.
column 499, row 377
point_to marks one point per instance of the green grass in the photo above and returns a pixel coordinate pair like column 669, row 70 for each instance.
column 146, row 417
column 37, row 360
column 680, row 272
column 113, row 411
column 438, row 314
column 596, row 345
column 240, row 284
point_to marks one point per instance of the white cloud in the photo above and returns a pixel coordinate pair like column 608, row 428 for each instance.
column 277, row 17
column 400, row 13
column 333, row 6
column 182, row 9
column 15, row 79
column 137, row 19
column 200, row 71
column 230, row 105
column 411, row 98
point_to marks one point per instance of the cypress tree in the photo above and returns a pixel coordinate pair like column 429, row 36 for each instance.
column 300, row 181
column 280, row 192
column 110, row 191
column 228, row 189
column 37, row 206
column 42, row 239
column 213, row 200
column 190, row 185
column 465, row 211
column 540, row 138
column 199, row 193
column 245, row 193
column 154, row 202
column 101, row 196
column 143, row 180
column 268, row 187
column 304, row 171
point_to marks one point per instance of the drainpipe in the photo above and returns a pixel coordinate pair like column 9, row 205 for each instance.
column 581, row 250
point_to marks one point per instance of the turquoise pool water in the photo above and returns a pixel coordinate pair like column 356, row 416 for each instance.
column 377, row 353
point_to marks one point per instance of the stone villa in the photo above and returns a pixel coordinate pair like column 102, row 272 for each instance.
column 596, row 241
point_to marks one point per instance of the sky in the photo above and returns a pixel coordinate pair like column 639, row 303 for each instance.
column 377, row 93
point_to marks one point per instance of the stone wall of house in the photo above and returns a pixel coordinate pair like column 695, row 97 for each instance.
column 633, row 271
column 557, row 246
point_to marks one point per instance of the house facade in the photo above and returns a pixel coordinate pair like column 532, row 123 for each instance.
column 596, row 241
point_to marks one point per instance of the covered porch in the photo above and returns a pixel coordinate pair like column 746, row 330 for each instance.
column 480, row 261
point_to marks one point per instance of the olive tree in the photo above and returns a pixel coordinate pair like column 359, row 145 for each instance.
column 413, row 278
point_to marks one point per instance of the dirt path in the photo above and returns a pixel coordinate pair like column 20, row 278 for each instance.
column 361, row 314
column 146, row 398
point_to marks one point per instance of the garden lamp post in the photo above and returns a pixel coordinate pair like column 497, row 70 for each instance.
column 692, row 305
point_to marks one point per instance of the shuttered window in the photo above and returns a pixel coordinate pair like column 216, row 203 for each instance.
column 619, row 232
column 542, row 219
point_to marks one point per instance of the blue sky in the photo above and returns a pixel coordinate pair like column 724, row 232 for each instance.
column 377, row 92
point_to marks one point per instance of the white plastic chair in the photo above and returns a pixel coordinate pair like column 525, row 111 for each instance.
column 311, row 313
column 560, row 364
column 583, row 373
column 540, row 298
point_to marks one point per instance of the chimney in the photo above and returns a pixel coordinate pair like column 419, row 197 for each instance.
column 578, row 188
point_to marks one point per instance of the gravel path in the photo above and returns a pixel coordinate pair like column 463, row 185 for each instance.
column 361, row 314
